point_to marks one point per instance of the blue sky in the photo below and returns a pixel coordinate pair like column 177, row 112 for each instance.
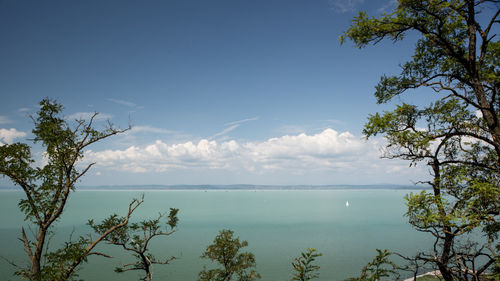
column 218, row 92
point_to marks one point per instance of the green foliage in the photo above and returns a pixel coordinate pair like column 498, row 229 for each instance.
column 135, row 238
column 48, row 188
column 378, row 268
column 443, row 48
column 225, row 251
column 458, row 135
column 63, row 258
column 496, row 267
column 304, row 267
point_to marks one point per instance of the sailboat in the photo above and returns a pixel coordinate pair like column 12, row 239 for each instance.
column 347, row 203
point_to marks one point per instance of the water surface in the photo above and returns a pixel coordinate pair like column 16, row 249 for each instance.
column 276, row 224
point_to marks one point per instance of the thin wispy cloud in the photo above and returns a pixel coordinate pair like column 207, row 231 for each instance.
column 150, row 129
column 24, row 109
column 344, row 6
column 5, row 120
column 388, row 6
column 140, row 133
column 88, row 115
column 333, row 121
column 242, row 121
column 123, row 102
column 226, row 130
column 233, row 125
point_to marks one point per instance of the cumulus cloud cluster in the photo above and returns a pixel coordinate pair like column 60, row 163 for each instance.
column 327, row 150
column 7, row 136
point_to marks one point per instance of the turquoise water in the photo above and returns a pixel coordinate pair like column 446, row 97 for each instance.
column 278, row 225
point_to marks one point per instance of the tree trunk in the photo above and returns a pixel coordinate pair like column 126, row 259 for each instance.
column 147, row 266
column 445, row 255
column 487, row 110
column 445, row 273
column 448, row 240
column 36, row 257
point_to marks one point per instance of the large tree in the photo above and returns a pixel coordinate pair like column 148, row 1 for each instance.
column 457, row 136
column 48, row 187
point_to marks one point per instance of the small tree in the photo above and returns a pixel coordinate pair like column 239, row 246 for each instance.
column 135, row 238
column 225, row 250
column 378, row 268
column 303, row 266
column 48, row 188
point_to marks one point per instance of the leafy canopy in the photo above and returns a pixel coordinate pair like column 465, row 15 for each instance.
column 303, row 266
column 225, row 250
column 457, row 135
column 48, row 187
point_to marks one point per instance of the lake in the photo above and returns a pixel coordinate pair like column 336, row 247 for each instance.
column 278, row 225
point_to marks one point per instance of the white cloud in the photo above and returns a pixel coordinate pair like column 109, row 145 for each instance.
column 328, row 143
column 345, row 6
column 328, row 150
column 9, row 135
column 88, row 115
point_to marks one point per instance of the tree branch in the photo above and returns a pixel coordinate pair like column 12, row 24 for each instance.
column 131, row 208
column 26, row 243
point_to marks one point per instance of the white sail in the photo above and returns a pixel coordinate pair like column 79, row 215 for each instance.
column 347, row 203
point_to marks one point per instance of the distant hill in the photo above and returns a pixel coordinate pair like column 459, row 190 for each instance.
column 247, row 187
column 242, row 187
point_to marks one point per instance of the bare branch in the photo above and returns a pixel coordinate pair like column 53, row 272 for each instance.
column 82, row 173
column 131, row 208
column 10, row 262
column 484, row 37
column 26, row 242
column 99, row 254
column 167, row 261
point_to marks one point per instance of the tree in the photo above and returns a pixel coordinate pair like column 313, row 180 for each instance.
column 303, row 266
column 225, row 250
column 135, row 238
column 457, row 136
column 48, row 188
column 378, row 268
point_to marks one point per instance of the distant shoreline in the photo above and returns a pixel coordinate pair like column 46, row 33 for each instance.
column 243, row 187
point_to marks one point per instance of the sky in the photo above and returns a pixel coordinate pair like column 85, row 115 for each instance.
column 217, row 92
